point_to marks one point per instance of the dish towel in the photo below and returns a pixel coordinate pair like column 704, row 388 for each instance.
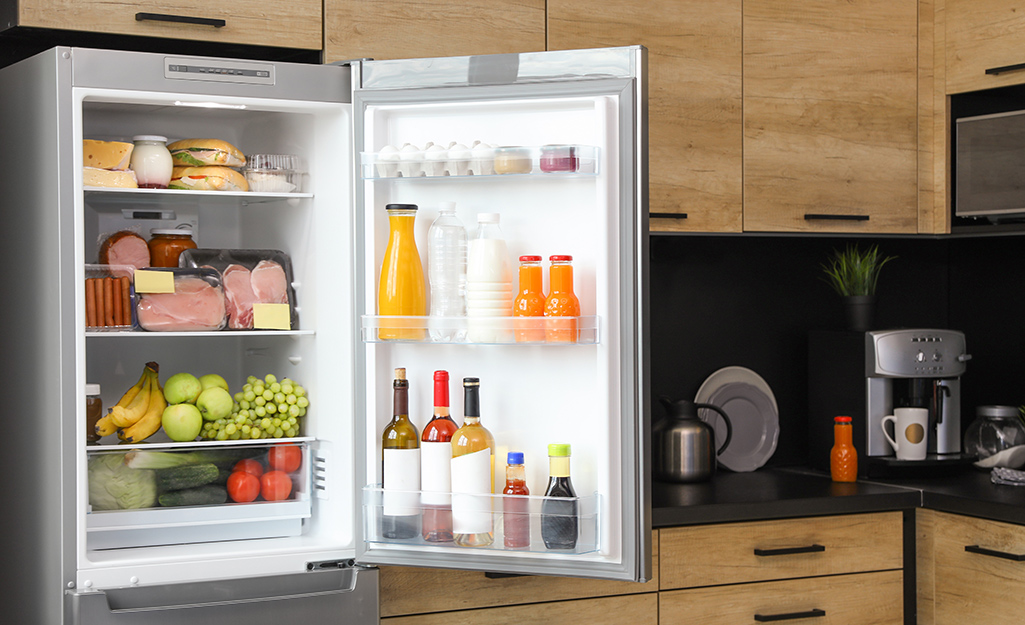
column 1010, row 477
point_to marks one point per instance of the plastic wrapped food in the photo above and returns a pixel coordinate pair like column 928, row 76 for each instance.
column 249, row 277
column 196, row 305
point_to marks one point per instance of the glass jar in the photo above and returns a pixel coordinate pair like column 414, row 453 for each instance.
column 93, row 411
column 151, row 161
column 166, row 245
column 997, row 436
column 513, row 160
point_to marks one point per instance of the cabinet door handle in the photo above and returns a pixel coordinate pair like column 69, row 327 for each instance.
column 181, row 19
column 786, row 551
column 1017, row 557
column 765, row 618
column 993, row 71
column 826, row 216
column 667, row 215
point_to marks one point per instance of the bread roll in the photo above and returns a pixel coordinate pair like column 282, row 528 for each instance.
column 106, row 154
column 207, row 179
column 93, row 177
column 200, row 152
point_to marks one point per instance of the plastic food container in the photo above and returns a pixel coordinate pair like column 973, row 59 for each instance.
column 559, row 158
column 251, row 277
column 513, row 160
column 191, row 300
column 274, row 173
column 109, row 297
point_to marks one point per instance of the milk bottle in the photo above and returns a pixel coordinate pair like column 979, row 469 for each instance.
column 489, row 292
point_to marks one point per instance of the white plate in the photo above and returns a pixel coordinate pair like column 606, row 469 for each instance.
column 748, row 401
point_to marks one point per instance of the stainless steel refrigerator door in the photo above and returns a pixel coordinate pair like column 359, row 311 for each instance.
column 614, row 79
column 332, row 596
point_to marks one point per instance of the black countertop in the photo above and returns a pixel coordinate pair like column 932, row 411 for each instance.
column 775, row 493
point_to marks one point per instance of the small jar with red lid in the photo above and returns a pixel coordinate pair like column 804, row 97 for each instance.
column 166, row 245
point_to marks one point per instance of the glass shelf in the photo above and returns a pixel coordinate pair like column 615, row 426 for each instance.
column 410, row 163
column 131, row 198
column 484, row 511
column 481, row 330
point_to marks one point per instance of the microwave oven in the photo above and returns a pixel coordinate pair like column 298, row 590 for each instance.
column 989, row 167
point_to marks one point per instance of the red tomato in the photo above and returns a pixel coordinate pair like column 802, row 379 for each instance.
column 250, row 466
column 243, row 487
column 275, row 485
column 287, row 458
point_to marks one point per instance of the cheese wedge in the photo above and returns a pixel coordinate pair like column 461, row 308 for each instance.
column 106, row 154
column 95, row 177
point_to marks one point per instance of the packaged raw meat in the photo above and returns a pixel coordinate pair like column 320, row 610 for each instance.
column 248, row 277
column 196, row 305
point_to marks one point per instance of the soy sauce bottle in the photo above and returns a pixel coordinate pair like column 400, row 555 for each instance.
column 559, row 519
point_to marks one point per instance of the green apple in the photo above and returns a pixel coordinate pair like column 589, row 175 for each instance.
column 215, row 403
column 212, row 379
column 182, row 422
column 182, row 388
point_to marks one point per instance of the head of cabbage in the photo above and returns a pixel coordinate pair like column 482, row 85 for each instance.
column 114, row 486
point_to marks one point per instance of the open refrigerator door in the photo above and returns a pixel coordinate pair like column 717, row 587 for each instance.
column 553, row 143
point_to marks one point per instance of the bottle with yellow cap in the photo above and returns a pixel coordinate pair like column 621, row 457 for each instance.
column 559, row 514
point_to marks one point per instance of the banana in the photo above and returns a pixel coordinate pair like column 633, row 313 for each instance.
column 132, row 392
column 105, row 426
column 124, row 416
column 149, row 423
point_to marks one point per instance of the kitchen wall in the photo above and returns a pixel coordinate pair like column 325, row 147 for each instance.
column 750, row 300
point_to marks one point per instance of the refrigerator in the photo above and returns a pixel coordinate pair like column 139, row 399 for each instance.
column 315, row 554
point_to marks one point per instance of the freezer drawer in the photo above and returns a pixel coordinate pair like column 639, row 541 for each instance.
column 317, row 596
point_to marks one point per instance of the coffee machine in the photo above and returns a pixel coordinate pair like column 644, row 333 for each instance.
column 865, row 375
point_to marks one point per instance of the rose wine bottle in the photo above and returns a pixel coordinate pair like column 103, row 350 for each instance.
column 559, row 522
column 436, row 466
column 473, row 474
column 400, row 514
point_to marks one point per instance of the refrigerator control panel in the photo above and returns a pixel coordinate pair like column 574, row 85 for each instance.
column 219, row 70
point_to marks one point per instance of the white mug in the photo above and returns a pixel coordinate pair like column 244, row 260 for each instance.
column 910, row 428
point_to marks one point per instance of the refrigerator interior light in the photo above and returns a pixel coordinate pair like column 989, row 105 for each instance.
column 211, row 105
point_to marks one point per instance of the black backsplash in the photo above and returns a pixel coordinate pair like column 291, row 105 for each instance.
column 721, row 300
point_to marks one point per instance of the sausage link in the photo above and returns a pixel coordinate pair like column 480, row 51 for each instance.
column 90, row 303
column 126, row 302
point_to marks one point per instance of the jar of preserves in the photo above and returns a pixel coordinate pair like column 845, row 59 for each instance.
column 151, row 161
column 93, row 411
column 166, row 245
column 559, row 158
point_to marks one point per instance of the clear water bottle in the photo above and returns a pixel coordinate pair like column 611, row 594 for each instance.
column 446, row 271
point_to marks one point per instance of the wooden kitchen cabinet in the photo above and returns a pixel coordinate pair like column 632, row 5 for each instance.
column 401, row 29
column 423, row 596
column 830, row 116
column 695, row 139
column 983, row 35
column 295, row 24
column 957, row 584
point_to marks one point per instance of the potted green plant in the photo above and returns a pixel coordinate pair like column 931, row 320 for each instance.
column 854, row 273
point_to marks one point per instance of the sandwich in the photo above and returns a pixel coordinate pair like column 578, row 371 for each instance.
column 200, row 152
column 211, row 178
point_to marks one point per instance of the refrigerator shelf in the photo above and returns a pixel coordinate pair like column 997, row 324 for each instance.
column 165, row 197
column 170, row 445
column 125, row 331
column 480, row 330
column 440, row 162
column 489, row 510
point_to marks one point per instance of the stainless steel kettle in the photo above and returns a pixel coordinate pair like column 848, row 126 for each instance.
column 684, row 445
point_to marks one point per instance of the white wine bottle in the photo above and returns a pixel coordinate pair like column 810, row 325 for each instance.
column 400, row 442
column 473, row 474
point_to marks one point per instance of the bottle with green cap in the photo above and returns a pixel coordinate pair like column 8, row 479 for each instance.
column 559, row 515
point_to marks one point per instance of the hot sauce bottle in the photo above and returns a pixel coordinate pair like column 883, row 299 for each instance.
column 843, row 458
column 516, row 510
column 561, row 302
column 436, row 466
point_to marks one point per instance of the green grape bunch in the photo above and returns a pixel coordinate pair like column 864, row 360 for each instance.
column 264, row 408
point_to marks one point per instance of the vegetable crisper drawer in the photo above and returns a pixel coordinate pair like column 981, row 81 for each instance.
column 178, row 495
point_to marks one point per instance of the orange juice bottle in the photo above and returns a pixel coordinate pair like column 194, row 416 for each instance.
column 402, row 291
column 561, row 302
column 530, row 302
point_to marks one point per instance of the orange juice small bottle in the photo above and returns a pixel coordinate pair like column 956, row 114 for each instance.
column 561, row 302
column 530, row 302
column 402, row 291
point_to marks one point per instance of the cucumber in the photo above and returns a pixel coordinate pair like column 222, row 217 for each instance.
column 187, row 476
column 200, row 496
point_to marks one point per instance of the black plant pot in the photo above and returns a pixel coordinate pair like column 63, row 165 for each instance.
column 860, row 310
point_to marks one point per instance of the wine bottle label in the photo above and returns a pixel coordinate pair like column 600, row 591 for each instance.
column 401, row 473
column 436, row 473
column 471, row 493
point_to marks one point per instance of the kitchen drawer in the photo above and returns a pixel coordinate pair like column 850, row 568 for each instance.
column 622, row 610
column 295, row 24
column 709, row 555
column 856, row 599
column 973, row 587
column 407, row 590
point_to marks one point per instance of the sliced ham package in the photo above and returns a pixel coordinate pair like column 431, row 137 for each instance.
column 196, row 305
column 248, row 277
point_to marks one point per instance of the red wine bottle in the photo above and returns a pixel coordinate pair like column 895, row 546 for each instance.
column 436, row 466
